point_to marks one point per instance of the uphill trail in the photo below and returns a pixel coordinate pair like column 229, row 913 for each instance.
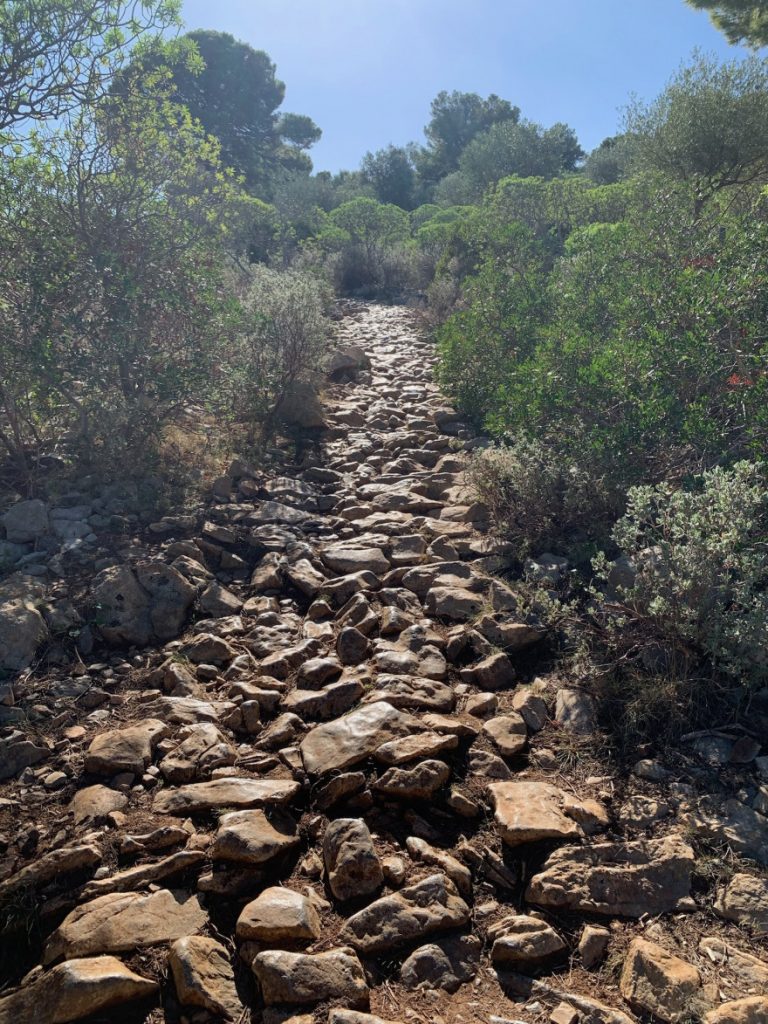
column 322, row 771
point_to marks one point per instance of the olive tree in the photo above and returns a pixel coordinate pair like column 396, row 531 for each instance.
column 709, row 127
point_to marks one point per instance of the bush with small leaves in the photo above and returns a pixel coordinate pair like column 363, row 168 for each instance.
column 695, row 599
column 540, row 500
column 279, row 344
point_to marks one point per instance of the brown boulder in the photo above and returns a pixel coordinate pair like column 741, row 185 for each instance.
column 659, row 983
column 622, row 879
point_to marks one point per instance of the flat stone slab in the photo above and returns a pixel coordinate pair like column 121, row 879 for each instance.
column 344, row 558
column 249, row 837
column 75, row 989
column 50, row 865
column 530, row 812
column 619, row 879
column 737, row 826
column 351, row 739
column 279, row 915
column 199, row 797
column 412, row 693
column 125, row 750
column 125, row 921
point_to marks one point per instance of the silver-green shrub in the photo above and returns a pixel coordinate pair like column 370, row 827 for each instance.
column 538, row 498
column 699, row 558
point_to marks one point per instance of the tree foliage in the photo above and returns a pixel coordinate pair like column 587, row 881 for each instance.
column 235, row 94
column 113, row 236
column 456, row 118
column 57, row 56
column 611, row 161
column 742, row 21
column 392, row 175
column 708, row 127
column 523, row 149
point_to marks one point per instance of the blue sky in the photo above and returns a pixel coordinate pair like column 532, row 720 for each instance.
column 366, row 70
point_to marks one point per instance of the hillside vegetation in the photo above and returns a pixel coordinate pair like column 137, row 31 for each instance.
column 169, row 259
column 383, row 554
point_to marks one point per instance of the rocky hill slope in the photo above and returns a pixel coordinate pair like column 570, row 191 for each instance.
column 319, row 770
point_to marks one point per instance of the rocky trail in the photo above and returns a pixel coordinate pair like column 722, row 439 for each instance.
column 321, row 770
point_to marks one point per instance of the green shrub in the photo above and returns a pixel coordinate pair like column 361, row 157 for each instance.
column 280, row 342
column 506, row 306
column 698, row 605
column 113, row 234
column 541, row 501
column 369, row 242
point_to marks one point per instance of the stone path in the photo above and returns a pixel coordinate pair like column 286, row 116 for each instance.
column 334, row 793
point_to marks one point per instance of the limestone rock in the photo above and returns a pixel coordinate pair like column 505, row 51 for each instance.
column 22, row 627
column 619, row 879
column 593, row 944
column 344, row 559
column 353, row 738
column 305, row 577
column 456, row 604
column 17, row 753
column 420, row 782
column 329, row 702
column 125, row 921
column 745, row 900
column 207, row 649
column 125, row 750
column 575, row 710
column 136, row 606
column 249, row 837
column 352, row 646
column 202, row 748
column 316, row 672
column 508, row 635
column 420, row 746
column 531, row 707
column 338, row 788
column 339, row 1016
column 94, row 803
column 73, row 990
column 657, row 982
column 26, row 521
column 415, row 694
column 51, row 865
column 508, row 734
column 735, row 825
column 529, row 812
column 278, row 915
column 351, row 863
column 751, row 1010
column 431, row 905
column 144, row 875
column 524, row 941
column 458, row 873
column 216, row 601
column 199, row 797
column 447, row 964
column 298, row 978
column 749, row 971
column 346, row 359
column 492, row 673
column 204, row 977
